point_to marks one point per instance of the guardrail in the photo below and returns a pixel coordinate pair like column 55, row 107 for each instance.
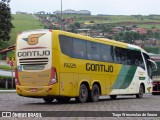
column 7, row 91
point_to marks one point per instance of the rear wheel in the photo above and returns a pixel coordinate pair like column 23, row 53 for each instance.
column 63, row 99
column 95, row 92
column 48, row 99
column 141, row 91
column 83, row 94
column 113, row 97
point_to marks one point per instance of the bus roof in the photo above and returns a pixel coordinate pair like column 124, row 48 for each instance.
column 121, row 44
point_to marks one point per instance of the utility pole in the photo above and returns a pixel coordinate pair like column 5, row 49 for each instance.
column 61, row 16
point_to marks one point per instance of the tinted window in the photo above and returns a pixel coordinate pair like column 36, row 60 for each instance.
column 116, row 55
column 93, row 51
column 66, row 44
column 79, row 47
column 137, row 59
column 107, row 53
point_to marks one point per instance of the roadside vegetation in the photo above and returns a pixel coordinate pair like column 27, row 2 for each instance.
column 3, row 67
column 22, row 23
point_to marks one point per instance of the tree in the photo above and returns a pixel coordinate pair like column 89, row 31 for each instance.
column 77, row 25
column 5, row 21
column 72, row 28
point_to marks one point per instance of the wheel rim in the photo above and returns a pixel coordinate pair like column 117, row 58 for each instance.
column 83, row 93
column 95, row 92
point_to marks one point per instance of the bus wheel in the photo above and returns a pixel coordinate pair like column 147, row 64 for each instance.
column 83, row 94
column 95, row 93
column 63, row 99
column 113, row 97
column 48, row 99
column 141, row 91
column 153, row 93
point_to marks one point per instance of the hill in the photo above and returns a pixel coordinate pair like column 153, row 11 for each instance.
column 21, row 23
column 24, row 22
column 149, row 21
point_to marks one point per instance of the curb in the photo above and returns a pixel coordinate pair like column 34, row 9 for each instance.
column 7, row 91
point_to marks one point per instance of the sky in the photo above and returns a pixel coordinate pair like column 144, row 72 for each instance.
column 108, row 7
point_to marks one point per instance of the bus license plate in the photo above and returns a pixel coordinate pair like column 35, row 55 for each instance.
column 33, row 89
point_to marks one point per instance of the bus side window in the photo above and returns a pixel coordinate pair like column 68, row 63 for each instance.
column 66, row 44
column 93, row 51
column 79, row 48
column 107, row 53
column 116, row 55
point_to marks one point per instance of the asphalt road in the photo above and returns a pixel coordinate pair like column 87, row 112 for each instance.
column 123, row 104
column 7, row 73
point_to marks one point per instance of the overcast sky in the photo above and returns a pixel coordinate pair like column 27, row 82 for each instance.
column 110, row 7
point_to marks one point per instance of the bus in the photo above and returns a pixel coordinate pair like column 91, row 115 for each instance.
column 156, row 74
column 54, row 64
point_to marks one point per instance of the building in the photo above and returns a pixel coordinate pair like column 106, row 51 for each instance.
column 84, row 31
column 69, row 20
column 56, row 24
column 84, row 12
column 141, row 31
column 73, row 12
column 19, row 12
column 69, row 11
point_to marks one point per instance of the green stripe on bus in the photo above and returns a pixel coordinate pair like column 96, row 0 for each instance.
column 125, row 77
column 129, row 77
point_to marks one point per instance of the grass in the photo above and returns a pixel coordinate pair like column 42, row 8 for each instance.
column 6, row 67
column 5, row 77
column 150, row 26
column 23, row 23
column 152, row 49
column 113, row 18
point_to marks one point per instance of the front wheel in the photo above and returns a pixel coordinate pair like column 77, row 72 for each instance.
column 48, row 99
column 141, row 91
column 83, row 94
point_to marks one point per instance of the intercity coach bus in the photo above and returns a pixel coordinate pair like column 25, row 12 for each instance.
column 54, row 64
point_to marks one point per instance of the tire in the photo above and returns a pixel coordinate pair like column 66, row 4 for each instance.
column 83, row 94
column 63, row 99
column 153, row 93
column 95, row 92
column 113, row 97
column 141, row 91
column 48, row 99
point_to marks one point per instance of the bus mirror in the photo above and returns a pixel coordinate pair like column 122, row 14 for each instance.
column 153, row 65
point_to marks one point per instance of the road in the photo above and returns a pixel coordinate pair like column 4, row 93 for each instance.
column 13, row 102
column 6, row 73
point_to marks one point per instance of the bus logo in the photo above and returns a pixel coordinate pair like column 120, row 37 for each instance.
column 33, row 38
